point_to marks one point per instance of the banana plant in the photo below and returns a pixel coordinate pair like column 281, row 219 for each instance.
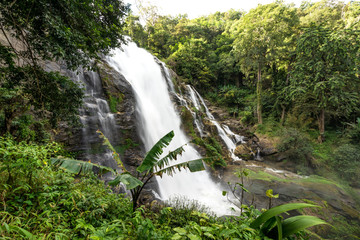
column 79, row 167
column 271, row 224
column 152, row 165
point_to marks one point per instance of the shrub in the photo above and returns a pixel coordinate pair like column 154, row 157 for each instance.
column 346, row 162
column 296, row 145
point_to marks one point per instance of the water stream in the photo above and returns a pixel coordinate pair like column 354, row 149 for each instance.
column 95, row 115
column 158, row 117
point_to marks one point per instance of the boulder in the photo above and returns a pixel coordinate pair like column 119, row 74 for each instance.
column 244, row 152
column 335, row 199
column 267, row 146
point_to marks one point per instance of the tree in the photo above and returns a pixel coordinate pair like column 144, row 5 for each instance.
column 261, row 38
column 325, row 73
column 154, row 164
column 352, row 15
column 72, row 32
column 327, row 13
column 189, row 61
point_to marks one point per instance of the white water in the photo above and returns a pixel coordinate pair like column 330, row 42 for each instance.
column 158, row 117
column 230, row 144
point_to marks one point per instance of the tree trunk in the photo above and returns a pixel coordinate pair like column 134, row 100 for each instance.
column 9, row 116
column 321, row 137
column 258, row 94
column 282, row 119
column 283, row 107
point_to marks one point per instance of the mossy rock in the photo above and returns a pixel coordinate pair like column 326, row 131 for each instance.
column 244, row 152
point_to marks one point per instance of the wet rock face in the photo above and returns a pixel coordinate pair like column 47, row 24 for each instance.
column 109, row 105
column 122, row 102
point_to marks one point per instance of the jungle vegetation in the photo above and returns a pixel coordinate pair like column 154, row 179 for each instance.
column 280, row 70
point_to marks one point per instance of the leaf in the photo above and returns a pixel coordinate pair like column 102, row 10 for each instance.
column 224, row 193
column 128, row 180
column 278, row 210
column 24, row 232
column 176, row 236
column 193, row 166
column 295, row 224
column 78, row 166
column 270, row 194
column 279, row 227
column 193, row 237
column 116, row 156
column 155, row 152
column 268, row 225
column 180, row 231
column 171, row 156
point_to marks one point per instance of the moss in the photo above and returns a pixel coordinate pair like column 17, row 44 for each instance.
column 261, row 175
column 125, row 146
column 114, row 102
column 187, row 121
column 213, row 149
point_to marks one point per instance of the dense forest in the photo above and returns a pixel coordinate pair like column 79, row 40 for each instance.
column 289, row 73
column 285, row 70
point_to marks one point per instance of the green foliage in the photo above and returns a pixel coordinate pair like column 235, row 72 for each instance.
column 20, row 161
column 346, row 161
column 213, row 151
column 37, row 32
column 153, row 164
column 242, row 174
column 78, row 166
column 325, row 73
column 267, row 221
column 59, row 206
column 114, row 102
column 72, row 31
column 296, row 145
column 353, row 132
column 189, row 62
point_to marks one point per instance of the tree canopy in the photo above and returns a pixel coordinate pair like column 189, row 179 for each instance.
column 264, row 52
column 73, row 33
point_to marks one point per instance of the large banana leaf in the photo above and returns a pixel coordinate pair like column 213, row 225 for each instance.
column 298, row 223
column 155, row 152
column 272, row 212
column 165, row 161
column 78, row 166
column 193, row 166
column 128, row 180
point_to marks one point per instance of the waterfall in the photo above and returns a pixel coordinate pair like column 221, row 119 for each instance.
column 224, row 132
column 158, row 116
column 95, row 114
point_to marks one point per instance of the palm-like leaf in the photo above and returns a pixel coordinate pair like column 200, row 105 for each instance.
column 128, row 180
column 165, row 161
column 155, row 152
column 78, row 166
column 193, row 166
column 298, row 223
column 278, row 210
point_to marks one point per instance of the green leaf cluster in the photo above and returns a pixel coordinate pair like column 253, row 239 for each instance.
column 34, row 34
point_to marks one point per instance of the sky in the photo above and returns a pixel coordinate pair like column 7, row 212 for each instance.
column 197, row 8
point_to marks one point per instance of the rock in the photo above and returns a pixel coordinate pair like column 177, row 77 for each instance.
column 267, row 146
column 244, row 152
column 294, row 188
column 117, row 87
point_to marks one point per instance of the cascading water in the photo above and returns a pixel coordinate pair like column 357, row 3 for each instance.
column 95, row 115
column 230, row 143
column 158, row 117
